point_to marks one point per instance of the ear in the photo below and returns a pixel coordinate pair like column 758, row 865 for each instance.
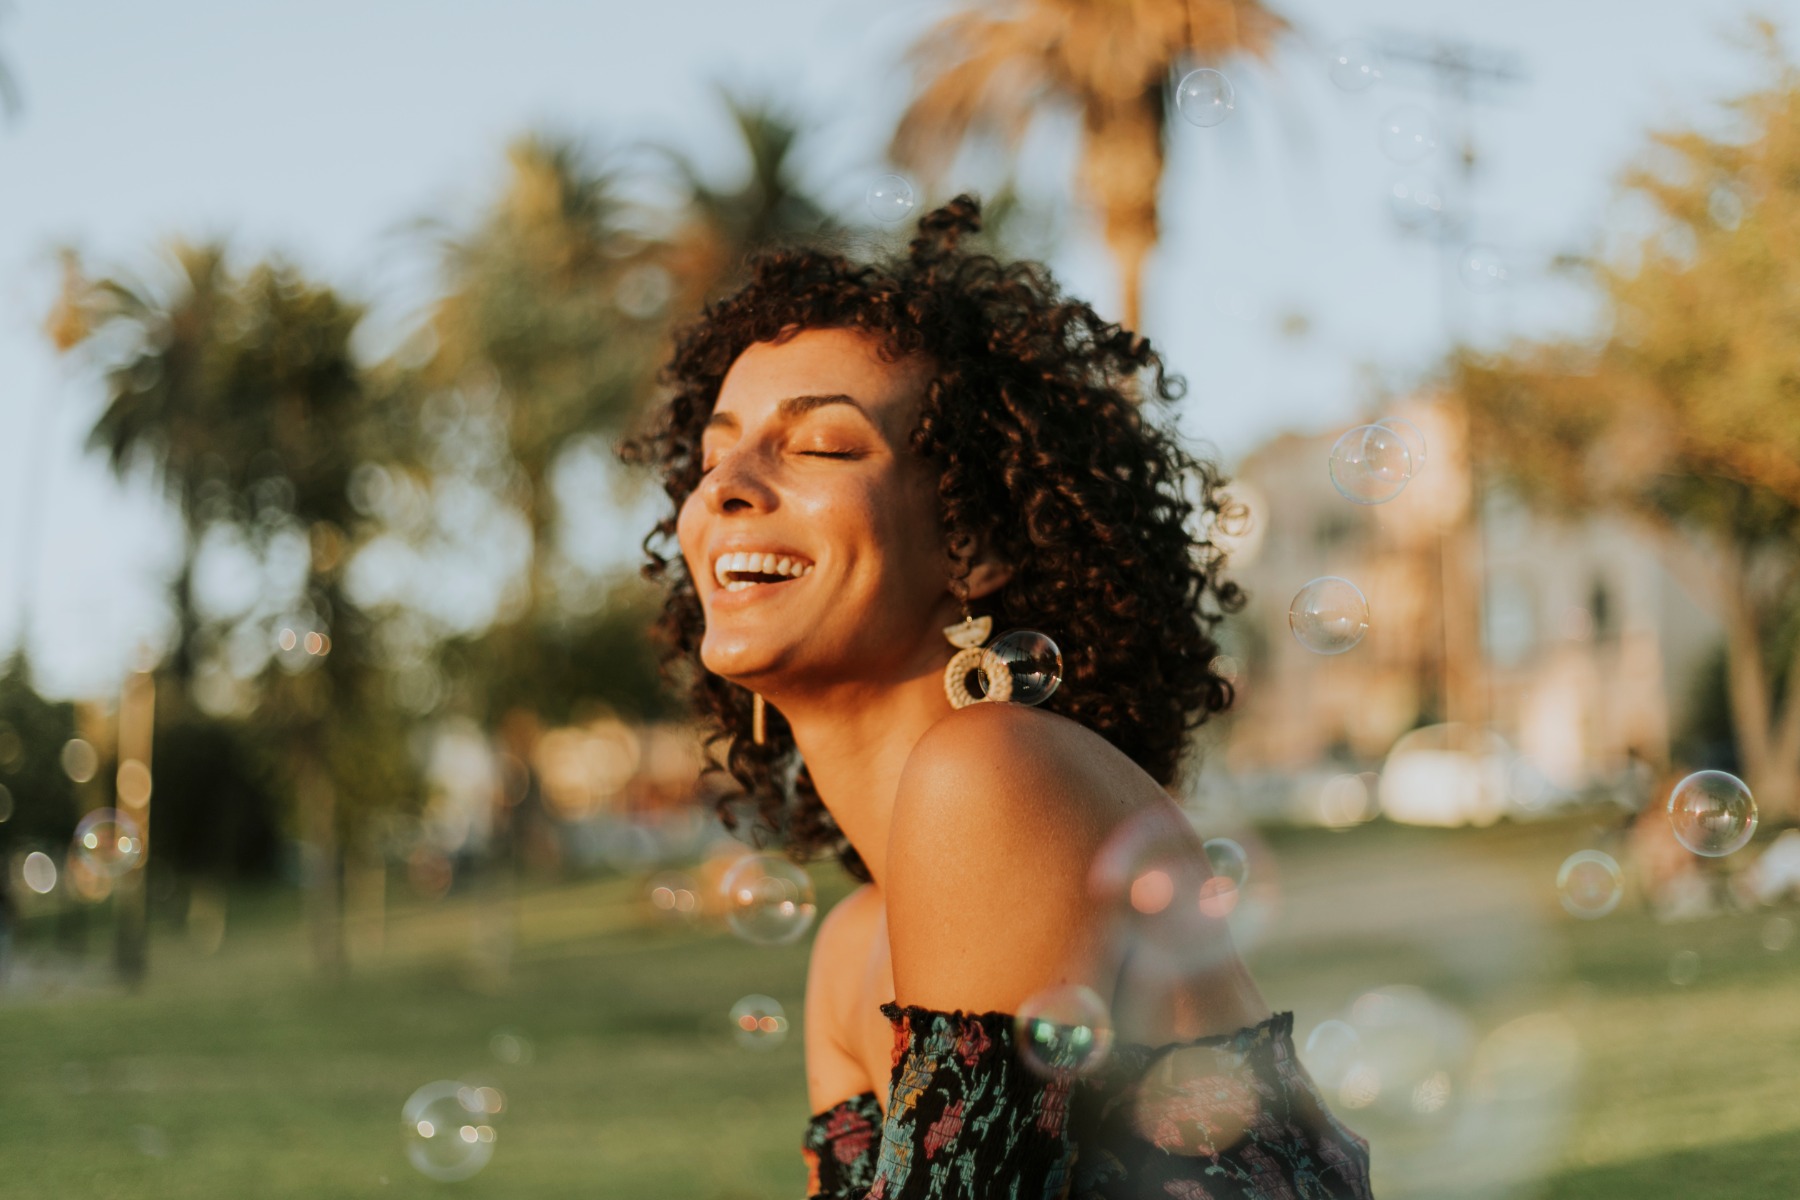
column 987, row 575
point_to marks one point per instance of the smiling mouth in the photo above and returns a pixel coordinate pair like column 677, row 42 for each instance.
column 740, row 572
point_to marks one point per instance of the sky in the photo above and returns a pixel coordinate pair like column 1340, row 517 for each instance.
column 318, row 130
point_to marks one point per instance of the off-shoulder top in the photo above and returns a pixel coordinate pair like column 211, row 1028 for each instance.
column 1231, row 1117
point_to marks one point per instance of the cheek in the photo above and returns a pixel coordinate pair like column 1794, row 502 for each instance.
column 689, row 529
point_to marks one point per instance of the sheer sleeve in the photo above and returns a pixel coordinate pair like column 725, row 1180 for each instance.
column 839, row 1149
column 966, row 1118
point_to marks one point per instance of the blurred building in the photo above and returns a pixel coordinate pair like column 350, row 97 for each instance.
column 1567, row 640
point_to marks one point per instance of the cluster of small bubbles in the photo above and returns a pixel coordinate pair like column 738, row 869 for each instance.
column 1777, row 934
column 1064, row 1029
column 768, row 900
column 1329, row 615
column 79, row 759
column 1416, row 201
column 302, row 642
column 890, row 198
column 448, row 1130
column 109, row 842
column 1407, row 134
column 1370, row 464
column 759, row 1022
column 1684, row 967
column 1713, row 813
column 1590, row 884
column 511, row 1047
column 1356, row 65
column 39, row 872
column 1228, row 860
column 675, row 895
column 1483, row 268
column 1205, row 97
column 1035, row 662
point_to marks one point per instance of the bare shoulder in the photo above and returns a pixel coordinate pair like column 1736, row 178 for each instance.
column 839, row 954
column 999, row 813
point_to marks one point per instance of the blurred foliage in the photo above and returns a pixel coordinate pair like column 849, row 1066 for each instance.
column 986, row 73
column 42, row 799
column 1685, row 415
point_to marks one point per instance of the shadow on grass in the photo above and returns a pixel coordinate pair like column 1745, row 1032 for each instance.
column 1766, row 1168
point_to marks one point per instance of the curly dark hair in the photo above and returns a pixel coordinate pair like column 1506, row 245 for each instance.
column 1032, row 421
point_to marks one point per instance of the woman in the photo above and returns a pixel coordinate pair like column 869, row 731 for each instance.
column 866, row 461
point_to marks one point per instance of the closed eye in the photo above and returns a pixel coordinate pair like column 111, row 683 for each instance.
column 831, row 453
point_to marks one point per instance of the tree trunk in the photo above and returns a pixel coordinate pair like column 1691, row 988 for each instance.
column 1121, row 171
column 320, row 873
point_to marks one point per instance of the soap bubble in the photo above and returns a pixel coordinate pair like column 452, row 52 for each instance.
column 1355, row 65
column 1684, row 967
column 510, row 1047
column 1149, row 872
column 674, row 896
column 890, row 198
column 1062, row 1029
column 449, row 1135
column 1370, row 464
column 1036, row 664
column 1329, row 615
column 1483, row 268
column 1205, row 97
column 79, row 759
column 1712, row 813
column 1412, row 435
column 1407, row 134
column 759, row 1022
column 768, row 900
column 1589, row 884
column 1417, row 202
column 1228, row 860
column 1330, row 1052
column 109, row 842
column 39, row 872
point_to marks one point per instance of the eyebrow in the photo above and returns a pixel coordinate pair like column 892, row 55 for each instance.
column 790, row 409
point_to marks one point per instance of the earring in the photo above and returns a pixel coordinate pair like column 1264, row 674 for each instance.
column 758, row 727
column 967, row 636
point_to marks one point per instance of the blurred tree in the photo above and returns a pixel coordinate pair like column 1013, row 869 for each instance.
column 240, row 394
column 990, row 74
column 36, row 795
column 1686, row 414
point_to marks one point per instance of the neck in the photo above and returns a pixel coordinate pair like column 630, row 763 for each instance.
column 855, row 740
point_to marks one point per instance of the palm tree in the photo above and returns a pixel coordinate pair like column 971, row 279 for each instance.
column 986, row 74
column 241, row 396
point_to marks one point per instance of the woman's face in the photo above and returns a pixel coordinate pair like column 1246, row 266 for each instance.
column 806, row 461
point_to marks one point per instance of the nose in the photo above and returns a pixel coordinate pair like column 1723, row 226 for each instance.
column 737, row 482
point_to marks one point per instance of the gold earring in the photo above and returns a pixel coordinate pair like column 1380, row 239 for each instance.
column 758, row 729
column 967, row 636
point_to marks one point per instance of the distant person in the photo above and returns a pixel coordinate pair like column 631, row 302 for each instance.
column 907, row 451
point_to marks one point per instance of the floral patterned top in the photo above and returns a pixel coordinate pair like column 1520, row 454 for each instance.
column 1233, row 1117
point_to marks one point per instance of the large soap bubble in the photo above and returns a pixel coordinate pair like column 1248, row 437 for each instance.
column 768, row 900
column 1205, row 97
column 1371, row 464
column 449, row 1130
column 1329, row 615
column 1712, row 813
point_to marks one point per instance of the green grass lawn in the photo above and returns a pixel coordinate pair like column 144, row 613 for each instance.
column 238, row 1074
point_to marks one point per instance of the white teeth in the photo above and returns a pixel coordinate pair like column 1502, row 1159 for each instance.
column 757, row 563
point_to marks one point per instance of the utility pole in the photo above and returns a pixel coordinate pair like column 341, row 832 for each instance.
column 1460, row 75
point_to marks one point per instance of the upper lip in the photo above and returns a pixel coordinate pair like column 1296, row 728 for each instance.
column 750, row 547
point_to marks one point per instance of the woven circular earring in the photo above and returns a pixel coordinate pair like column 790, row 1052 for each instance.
column 967, row 636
